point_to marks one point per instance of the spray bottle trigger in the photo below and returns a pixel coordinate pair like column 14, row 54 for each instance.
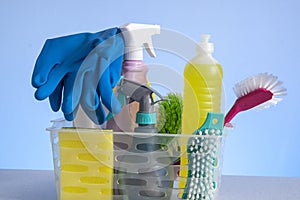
column 149, row 48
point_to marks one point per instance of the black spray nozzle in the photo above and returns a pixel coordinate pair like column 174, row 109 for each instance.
column 135, row 91
column 143, row 94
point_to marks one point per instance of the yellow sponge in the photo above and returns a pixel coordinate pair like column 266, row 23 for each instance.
column 86, row 160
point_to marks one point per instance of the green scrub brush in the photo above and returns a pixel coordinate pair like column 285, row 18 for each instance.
column 170, row 114
column 203, row 159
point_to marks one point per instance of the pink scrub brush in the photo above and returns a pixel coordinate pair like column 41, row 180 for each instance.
column 261, row 91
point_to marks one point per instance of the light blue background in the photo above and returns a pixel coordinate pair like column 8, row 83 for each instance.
column 250, row 37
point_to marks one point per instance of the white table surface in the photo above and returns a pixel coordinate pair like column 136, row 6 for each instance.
column 39, row 185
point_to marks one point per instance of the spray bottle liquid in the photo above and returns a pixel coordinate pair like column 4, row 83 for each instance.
column 136, row 37
column 202, row 87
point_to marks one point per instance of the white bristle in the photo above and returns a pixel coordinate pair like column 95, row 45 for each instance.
column 265, row 105
column 198, row 146
column 263, row 80
column 279, row 91
column 203, row 189
column 269, row 103
column 274, row 84
column 269, row 81
column 276, row 100
column 193, row 143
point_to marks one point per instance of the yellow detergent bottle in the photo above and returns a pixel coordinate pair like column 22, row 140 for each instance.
column 202, row 87
column 202, row 92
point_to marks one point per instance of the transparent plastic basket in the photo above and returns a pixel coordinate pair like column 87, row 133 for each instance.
column 98, row 164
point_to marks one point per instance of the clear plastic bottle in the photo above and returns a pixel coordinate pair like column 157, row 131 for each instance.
column 136, row 38
column 202, row 87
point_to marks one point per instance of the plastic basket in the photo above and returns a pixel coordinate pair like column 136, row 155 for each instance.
column 96, row 164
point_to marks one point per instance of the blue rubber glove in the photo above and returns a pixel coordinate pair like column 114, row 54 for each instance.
column 80, row 69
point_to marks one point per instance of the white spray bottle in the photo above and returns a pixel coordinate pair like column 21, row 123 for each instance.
column 136, row 37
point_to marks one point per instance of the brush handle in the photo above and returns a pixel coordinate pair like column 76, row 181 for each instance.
column 250, row 100
column 232, row 112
